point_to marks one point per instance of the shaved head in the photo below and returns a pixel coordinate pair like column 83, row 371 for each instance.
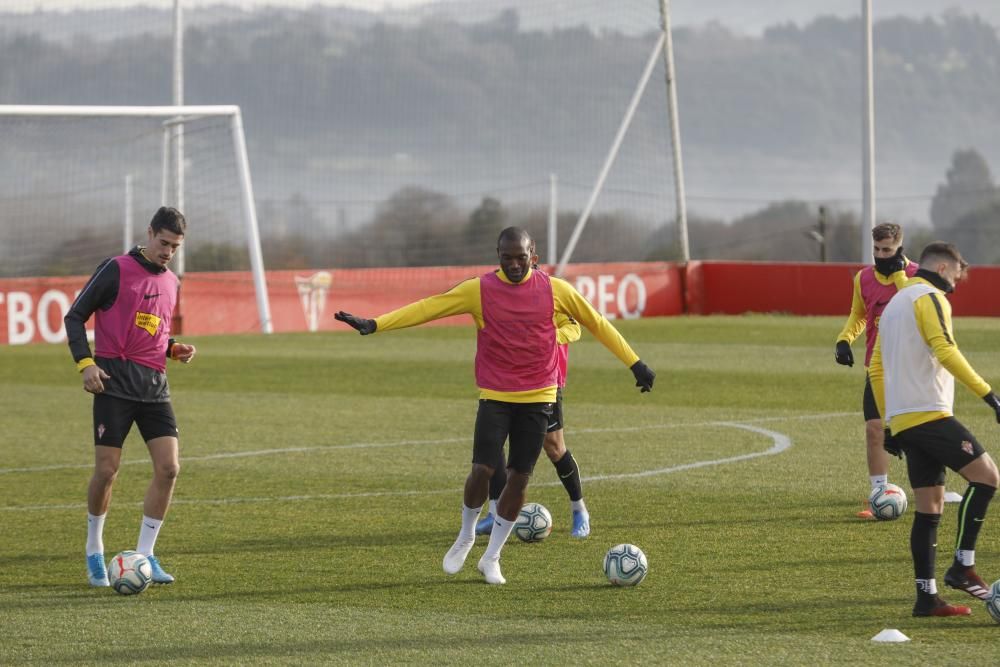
column 516, row 235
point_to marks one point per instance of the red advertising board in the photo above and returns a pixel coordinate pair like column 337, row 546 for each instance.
column 31, row 309
column 809, row 289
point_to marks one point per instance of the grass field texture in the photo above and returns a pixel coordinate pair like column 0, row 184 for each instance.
column 321, row 485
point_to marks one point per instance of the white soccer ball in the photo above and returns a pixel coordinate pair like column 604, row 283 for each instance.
column 993, row 601
column 887, row 502
column 625, row 565
column 129, row 572
column 534, row 523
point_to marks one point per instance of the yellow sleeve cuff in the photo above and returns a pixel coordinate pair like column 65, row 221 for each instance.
column 85, row 362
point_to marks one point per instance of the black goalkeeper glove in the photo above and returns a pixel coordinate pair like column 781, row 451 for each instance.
column 644, row 376
column 363, row 326
column 843, row 355
column 994, row 402
column 889, row 444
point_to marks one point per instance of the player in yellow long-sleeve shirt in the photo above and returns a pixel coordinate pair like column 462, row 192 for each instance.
column 873, row 287
column 515, row 309
column 913, row 370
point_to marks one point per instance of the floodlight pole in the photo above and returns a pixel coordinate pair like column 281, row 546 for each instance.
column 553, row 229
column 178, row 100
column 127, row 225
column 675, row 133
column 868, row 136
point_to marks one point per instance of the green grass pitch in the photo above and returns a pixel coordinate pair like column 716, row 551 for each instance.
column 321, row 485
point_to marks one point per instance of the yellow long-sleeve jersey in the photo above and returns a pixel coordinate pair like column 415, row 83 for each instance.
column 917, row 382
column 567, row 329
column 465, row 298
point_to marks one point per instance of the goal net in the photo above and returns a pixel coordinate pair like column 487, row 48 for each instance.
column 79, row 184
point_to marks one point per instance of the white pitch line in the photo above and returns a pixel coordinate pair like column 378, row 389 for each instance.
column 781, row 442
column 410, row 443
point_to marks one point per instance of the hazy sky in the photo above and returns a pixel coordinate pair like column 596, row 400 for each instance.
column 32, row 5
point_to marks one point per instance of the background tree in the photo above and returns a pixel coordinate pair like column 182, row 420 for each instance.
column 968, row 186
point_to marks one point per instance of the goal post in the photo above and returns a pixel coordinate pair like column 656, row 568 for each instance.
column 60, row 170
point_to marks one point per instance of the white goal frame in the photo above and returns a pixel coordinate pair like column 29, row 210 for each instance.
column 172, row 116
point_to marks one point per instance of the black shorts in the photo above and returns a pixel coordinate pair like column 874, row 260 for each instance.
column 524, row 424
column 932, row 446
column 556, row 418
column 113, row 419
column 868, row 404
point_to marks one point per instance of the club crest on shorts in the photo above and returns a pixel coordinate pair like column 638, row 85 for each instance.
column 967, row 447
column 312, row 292
column 100, row 431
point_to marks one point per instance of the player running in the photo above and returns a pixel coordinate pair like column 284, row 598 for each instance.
column 913, row 370
column 132, row 298
column 514, row 309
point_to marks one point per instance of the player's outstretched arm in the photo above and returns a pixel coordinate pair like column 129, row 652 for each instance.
column 363, row 326
column 572, row 303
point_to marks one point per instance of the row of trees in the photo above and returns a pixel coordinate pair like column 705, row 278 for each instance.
column 420, row 227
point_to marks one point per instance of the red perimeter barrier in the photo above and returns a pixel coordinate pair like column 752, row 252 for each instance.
column 32, row 309
column 809, row 289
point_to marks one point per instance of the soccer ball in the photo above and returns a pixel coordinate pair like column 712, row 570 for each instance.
column 625, row 565
column 129, row 573
column 887, row 502
column 534, row 523
column 993, row 601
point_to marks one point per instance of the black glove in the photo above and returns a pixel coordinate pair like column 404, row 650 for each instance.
column 843, row 355
column 994, row 402
column 644, row 376
column 363, row 326
column 889, row 444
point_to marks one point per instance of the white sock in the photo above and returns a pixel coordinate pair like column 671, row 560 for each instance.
column 501, row 531
column 493, row 507
column 95, row 533
column 147, row 535
column 579, row 506
column 878, row 480
column 469, row 517
column 966, row 557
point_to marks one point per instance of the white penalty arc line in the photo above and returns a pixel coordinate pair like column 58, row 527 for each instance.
column 416, row 443
column 780, row 443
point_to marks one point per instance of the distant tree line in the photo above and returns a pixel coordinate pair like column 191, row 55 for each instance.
column 299, row 79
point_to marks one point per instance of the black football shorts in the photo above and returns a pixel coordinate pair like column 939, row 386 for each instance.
column 113, row 419
column 931, row 447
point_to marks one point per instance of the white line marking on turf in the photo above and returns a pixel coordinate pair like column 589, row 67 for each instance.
column 781, row 442
column 406, row 443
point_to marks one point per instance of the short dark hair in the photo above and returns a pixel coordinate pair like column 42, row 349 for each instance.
column 887, row 230
column 170, row 219
column 515, row 234
column 942, row 251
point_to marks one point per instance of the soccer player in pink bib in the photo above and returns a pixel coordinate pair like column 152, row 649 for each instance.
column 132, row 299
column 517, row 372
column 567, row 331
column 873, row 287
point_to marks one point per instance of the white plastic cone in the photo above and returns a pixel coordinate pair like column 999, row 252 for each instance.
column 890, row 635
